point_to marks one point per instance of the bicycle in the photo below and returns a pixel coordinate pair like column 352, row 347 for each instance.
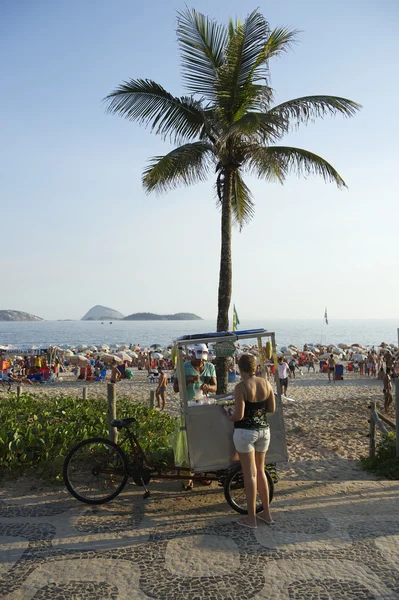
column 96, row 471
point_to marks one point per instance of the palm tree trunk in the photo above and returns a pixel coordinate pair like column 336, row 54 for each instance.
column 225, row 277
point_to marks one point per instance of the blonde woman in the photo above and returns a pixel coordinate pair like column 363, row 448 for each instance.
column 254, row 397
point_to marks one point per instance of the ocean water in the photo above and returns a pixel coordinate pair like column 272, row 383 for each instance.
column 298, row 332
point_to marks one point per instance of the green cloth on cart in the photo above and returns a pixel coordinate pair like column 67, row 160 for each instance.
column 178, row 440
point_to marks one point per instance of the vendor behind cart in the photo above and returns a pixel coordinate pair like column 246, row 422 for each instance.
column 200, row 374
column 200, row 380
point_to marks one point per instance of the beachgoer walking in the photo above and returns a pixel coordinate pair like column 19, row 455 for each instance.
column 311, row 363
column 283, row 372
column 291, row 366
column 331, row 367
column 253, row 398
column 161, row 389
column 387, row 389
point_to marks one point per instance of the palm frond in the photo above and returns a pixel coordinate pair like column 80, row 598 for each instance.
column 242, row 203
column 246, row 41
column 185, row 165
column 257, row 127
column 278, row 41
column 202, row 43
column 276, row 162
column 309, row 108
column 145, row 101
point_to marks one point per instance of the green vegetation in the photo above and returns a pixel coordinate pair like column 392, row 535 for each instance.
column 384, row 463
column 37, row 433
column 228, row 124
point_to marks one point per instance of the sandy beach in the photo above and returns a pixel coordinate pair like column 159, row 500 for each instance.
column 326, row 424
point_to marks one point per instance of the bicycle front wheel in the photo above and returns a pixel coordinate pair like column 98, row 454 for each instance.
column 234, row 491
column 96, row 471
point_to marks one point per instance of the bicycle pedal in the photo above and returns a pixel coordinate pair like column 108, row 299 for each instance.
column 146, row 494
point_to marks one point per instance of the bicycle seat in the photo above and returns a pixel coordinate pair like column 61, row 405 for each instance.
column 120, row 423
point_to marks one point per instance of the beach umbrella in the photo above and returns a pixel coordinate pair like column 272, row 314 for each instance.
column 68, row 353
column 79, row 360
column 343, row 346
column 157, row 355
column 358, row 356
column 106, row 357
column 104, row 347
column 132, row 354
column 93, row 348
column 123, row 347
column 124, row 356
column 109, row 358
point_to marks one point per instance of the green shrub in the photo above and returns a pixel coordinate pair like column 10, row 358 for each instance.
column 37, row 433
column 384, row 463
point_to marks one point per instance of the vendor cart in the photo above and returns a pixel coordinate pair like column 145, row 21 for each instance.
column 208, row 432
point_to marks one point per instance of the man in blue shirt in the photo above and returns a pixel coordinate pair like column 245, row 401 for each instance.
column 200, row 374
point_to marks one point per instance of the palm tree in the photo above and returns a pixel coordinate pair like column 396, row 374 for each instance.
column 227, row 124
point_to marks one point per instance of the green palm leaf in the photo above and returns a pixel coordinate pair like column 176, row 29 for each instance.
column 235, row 86
column 276, row 162
column 148, row 102
column 202, row 43
column 185, row 165
column 308, row 108
column 256, row 126
column 242, row 203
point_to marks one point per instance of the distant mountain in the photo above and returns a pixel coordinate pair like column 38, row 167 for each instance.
column 153, row 317
column 17, row 315
column 100, row 313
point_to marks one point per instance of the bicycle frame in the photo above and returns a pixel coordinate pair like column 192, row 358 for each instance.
column 161, row 471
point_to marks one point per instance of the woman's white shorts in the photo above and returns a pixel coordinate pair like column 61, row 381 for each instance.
column 246, row 440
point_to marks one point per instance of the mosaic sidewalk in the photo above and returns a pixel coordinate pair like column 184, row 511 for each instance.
column 332, row 540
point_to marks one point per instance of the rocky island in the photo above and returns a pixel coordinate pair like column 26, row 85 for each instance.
column 153, row 317
column 102, row 313
column 17, row 315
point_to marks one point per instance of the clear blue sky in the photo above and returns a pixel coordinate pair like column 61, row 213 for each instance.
column 78, row 230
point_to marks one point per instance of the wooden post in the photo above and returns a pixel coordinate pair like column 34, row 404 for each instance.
column 152, row 398
column 397, row 416
column 84, row 394
column 18, row 391
column 111, row 412
column 372, row 431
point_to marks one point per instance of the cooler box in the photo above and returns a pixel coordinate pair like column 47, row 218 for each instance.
column 339, row 370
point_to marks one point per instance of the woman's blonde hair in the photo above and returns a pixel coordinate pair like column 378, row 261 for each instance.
column 247, row 363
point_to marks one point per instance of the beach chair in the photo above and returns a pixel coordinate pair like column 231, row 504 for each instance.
column 102, row 375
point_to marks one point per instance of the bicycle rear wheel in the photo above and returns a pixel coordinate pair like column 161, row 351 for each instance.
column 234, row 491
column 95, row 471
column 5, row 386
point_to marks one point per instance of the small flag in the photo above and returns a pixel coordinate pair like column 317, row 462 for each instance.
column 325, row 316
column 236, row 320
